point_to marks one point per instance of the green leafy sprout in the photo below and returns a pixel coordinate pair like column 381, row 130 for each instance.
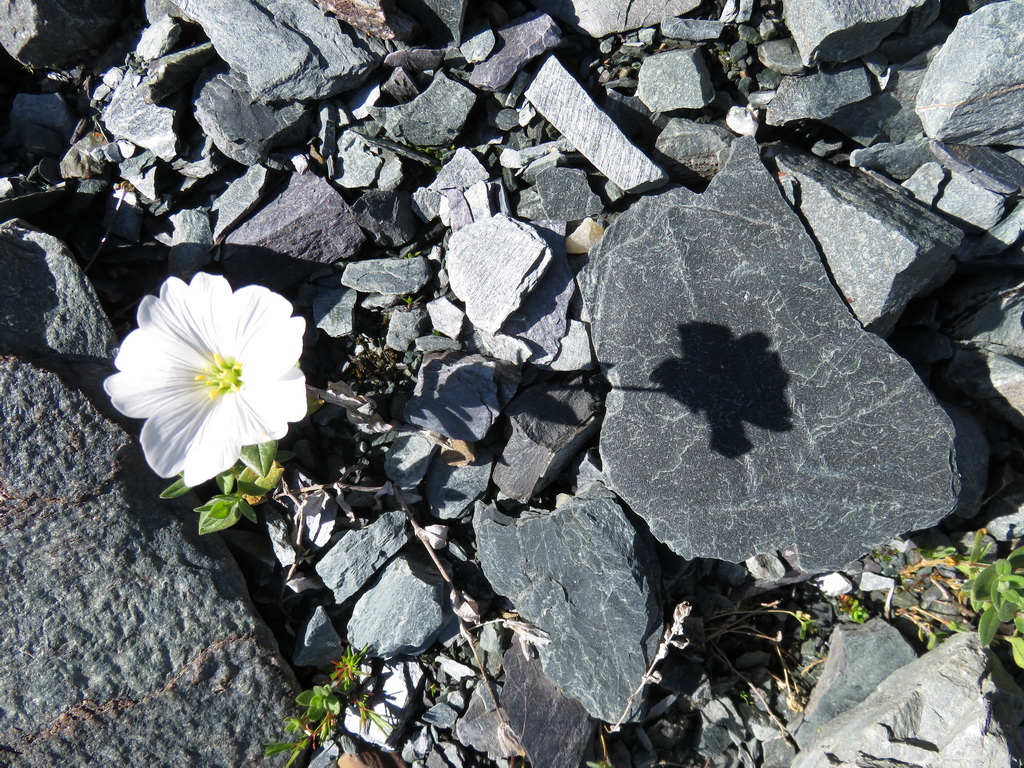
column 322, row 706
column 254, row 475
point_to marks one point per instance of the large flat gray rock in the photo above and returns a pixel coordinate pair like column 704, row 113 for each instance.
column 954, row 707
column 598, row 18
column 556, row 95
column 51, row 33
column 881, row 247
column 285, row 49
column 432, row 119
column 120, row 623
column 973, row 91
column 746, row 398
column 602, row 611
column 47, row 306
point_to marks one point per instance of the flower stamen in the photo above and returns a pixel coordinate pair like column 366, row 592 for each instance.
column 223, row 375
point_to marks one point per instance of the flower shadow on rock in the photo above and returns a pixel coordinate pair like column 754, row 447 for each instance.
column 732, row 380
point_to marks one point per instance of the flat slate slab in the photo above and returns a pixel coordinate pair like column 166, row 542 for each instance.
column 749, row 411
column 598, row 18
column 126, row 637
column 556, row 95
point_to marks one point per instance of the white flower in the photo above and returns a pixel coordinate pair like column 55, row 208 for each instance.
column 211, row 371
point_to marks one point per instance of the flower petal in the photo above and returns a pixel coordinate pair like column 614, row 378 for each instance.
column 141, row 395
column 168, row 436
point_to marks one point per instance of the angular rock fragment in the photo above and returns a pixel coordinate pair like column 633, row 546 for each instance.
column 451, row 490
column 432, row 119
column 357, row 163
column 243, row 129
column 377, row 18
column 838, row 30
column 47, row 306
column 442, row 18
column 191, row 241
column 462, row 171
column 731, row 357
column 407, row 459
column 691, row 29
column 387, row 216
column 529, row 698
column 460, row 396
column 307, row 225
column 285, row 50
column 970, row 205
column 318, row 642
column 492, row 264
column 859, row 658
column 562, row 100
column 973, row 91
column 602, row 612
column 394, row 697
column 446, row 317
column 241, row 196
column 818, row 95
column 881, row 248
column 560, row 194
column 897, row 161
column 551, row 422
column 781, row 55
column 405, row 326
column 39, row 123
column 521, row 41
column 675, row 80
column 994, row 381
column 693, row 148
column 995, row 171
column 352, row 561
column 130, row 116
column 49, row 33
column 403, row 611
column 396, row 277
column 953, row 706
column 598, row 18
column 333, row 311
column 170, row 73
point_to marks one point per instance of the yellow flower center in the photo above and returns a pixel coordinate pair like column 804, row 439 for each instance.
column 223, row 375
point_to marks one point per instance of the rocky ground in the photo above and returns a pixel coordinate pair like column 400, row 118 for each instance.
column 668, row 360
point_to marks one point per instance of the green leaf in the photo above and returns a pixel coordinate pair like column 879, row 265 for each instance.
column 251, row 484
column 305, row 698
column 277, row 747
column 1017, row 646
column 981, row 587
column 988, row 625
column 980, row 549
column 226, row 481
column 175, row 489
column 260, row 458
column 1018, row 623
column 1016, row 558
column 221, row 515
column 283, row 456
column 1003, row 567
column 244, row 508
column 1006, row 611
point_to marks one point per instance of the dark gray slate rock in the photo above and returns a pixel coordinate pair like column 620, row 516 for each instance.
column 333, row 311
column 694, row 148
column 388, row 276
column 353, row 560
column 450, row 490
column 560, row 194
column 550, row 424
column 130, row 116
column 973, row 91
column 462, row 171
column 994, row 170
column 47, row 306
column 243, row 129
column 443, row 18
column 318, row 643
column 49, row 33
column 529, row 699
column 39, row 123
column 387, row 215
column 170, row 73
column 159, row 618
column 881, row 248
column 241, row 197
column 837, row 30
column 404, row 610
column 969, row 205
column 602, row 612
column 860, row 656
column 598, row 18
column 432, row 119
column 675, row 80
column 1004, row 514
column 405, row 326
column 731, row 357
column 568, row 107
column 306, row 226
column 691, row 29
column 781, row 55
column 492, row 264
column 460, row 395
column 972, row 455
column 897, row 161
column 285, row 50
column 993, row 381
column 521, row 41
column 954, row 706
column 818, row 95
column 407, row 459
column 191, row 241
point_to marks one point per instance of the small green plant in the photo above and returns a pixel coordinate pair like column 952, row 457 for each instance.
column 853, row 608
column 254, row 475
column 322, row 705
